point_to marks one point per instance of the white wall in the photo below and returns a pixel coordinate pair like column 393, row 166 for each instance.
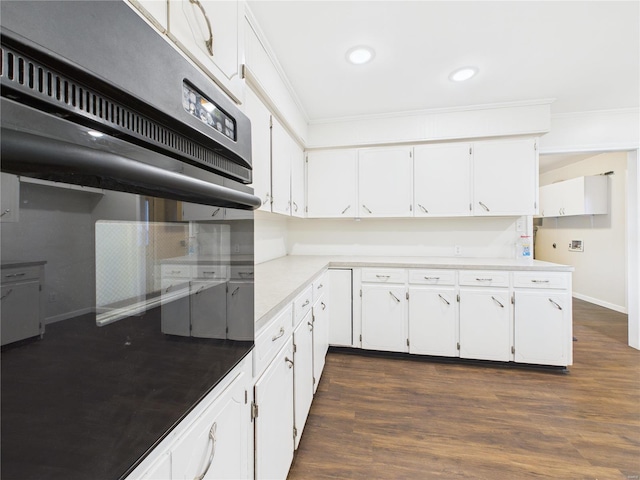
column 633, row 246
column 270, row 236
column 478, row 237
column 601, row 270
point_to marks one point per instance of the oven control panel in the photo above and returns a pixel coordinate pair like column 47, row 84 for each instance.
column 207, row 111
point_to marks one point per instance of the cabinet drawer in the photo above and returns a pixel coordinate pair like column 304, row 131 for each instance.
column 320, row 286
column 302, row 304
column 20, row 274
column 242, row 273
column 432, row 277
column 384, row 275
column 271, row 339
column 176, row 271
column 556, row 280
column 210, row 271
column 484, row 278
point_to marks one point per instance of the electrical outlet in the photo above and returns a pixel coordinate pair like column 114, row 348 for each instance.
column 457, row 250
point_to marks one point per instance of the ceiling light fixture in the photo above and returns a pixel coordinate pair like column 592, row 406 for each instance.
column 360, row 55
column 462, row 74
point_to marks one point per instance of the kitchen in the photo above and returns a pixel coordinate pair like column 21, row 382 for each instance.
column 251, row 74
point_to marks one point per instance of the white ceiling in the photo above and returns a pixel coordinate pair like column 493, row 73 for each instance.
column 585, row 55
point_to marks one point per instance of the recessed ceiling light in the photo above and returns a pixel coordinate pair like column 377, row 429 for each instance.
column 360, row 55
column 462, row 74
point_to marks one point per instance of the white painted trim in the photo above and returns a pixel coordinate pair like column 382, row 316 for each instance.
column 68, row 315
column 633, row 246
column 601, row 303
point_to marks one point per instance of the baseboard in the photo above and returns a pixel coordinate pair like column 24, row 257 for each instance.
column 602, row 303
column 68, row 315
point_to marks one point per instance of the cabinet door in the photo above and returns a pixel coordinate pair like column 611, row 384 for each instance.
column 331, row 184
column 260, row 147
column 485, row 332
column 505, row 177
column 208, row 32
column 320, row 339
column 20, row 305
column 433, row 321
column 442, row 180
column 197, row 212
column 341, row 314
column 542, row 327
column 297, row 180
column 9, row 198
column 273, row 395
column 385, row 182
column 572, row 195
column 302, row 373
column 240, row 320
column 280, row 169
column 208, row 310
column 218, row 442
column 384, row 318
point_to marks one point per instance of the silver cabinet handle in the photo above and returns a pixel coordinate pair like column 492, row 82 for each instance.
column 210, row 272
column 423, row 209
column 6, row 294
column 539, row 281
column 208, row 43
column 556, row 305
column 432, row 278
column 289, row 362
column 278, row 335
column 444, row 299
column 305, row 303
column 320, row 286
column 295, row 206
column 166, row 290
column 497, row 301
column 235, row 291
column 245, row 274
column 212, row 437
column 343, row 211
column 13, row 275
column 484, row 206
column 484, row 279
column 266, row 198
column 394, row 297
column 215, row 212
column 200, row 289
column 383, row 276
column 324, row 307
column 8, row 210
column 365, row 207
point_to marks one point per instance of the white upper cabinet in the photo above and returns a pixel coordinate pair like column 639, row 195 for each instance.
column 331, row 183
column 297, row 179
column 385, row 182
column 280, row 169
column 208, row 32
column 260, row 147
column 505, row 177
column 442, row 180
column 578, row 196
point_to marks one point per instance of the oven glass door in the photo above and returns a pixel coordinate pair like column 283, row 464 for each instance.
column 120, row 311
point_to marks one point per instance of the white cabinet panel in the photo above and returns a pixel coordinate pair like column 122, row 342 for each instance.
column 331, row 184
column 9, row 198
column 240, row 308
column 260, row 147
column 208, row 32
column 297, row 180
column 302, row 374
column 542, row 327
column 273, row 395
column 578, row 196
column 485, row 332
column 218, row 442
column 280, row 169
column 384, row 318
column 505, row 177
column 385, row 182
column 341, row 314
column 433, row 321
column 442, row 180
column 320, row 339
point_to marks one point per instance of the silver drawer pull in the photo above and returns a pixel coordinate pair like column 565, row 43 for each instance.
column 200, row 289
column 423, row 209
column 556, row 305
column 175, row 272
column 8, row 210
column 166, row 290
column 6, row 294
column 383, row 276
column 13, row 275
column 484, row 279
column 245, row 274
column 365, row 207
column 347, row 208
column 540, row 281
column 320, row 286
column 444, row 299
column 324, row 307
column 310, row 326
column 278, row 335
column 394, row 297
column 215, row 212
column 208, row 273
column 305, row 303
column 212, row 437
column 289, row 362
column 209, row 42
column 432, row 278
column 497, row 301
column 484, row 206
column 235, row 291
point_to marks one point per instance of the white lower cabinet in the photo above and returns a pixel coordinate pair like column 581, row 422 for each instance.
column 302, row 374
column 341, row 315
column 273, row 398
column 384, row 317
column 217, row 445
column 542, row 327
column 485, row 324
column 433, row 321
column 320, row 338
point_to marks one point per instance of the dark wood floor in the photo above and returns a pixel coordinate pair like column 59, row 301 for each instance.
column 390, row 418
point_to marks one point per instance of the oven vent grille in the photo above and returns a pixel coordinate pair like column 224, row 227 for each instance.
column 62, row 94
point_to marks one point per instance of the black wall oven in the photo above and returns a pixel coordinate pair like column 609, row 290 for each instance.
column 126, row 239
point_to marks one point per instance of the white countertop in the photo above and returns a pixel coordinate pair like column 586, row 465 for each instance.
column 278, row 281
